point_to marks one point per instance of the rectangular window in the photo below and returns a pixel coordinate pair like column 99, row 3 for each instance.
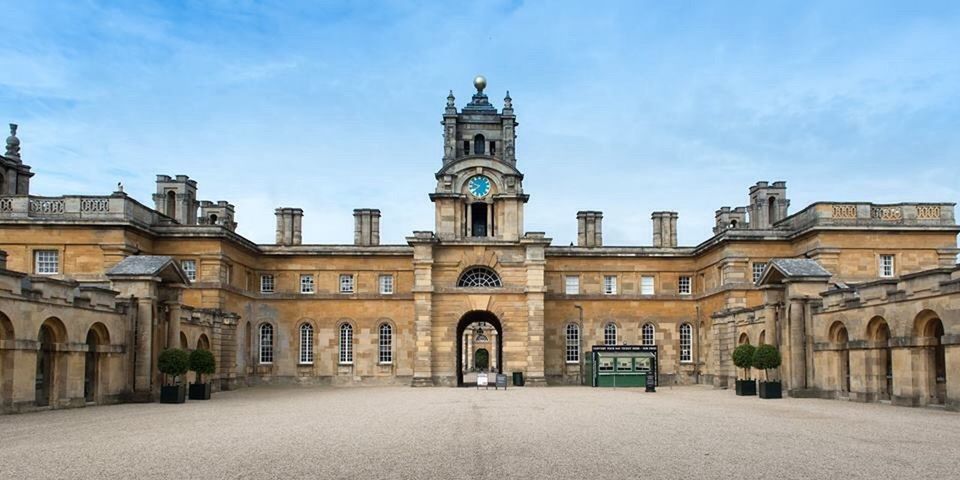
column 306, row 284
column 571, row 285
column 386, row 344
column 190, row 269
column 46, row 262
column 624, row 364
column 227, row 274
column 386, row 284
column 266, row 283
column 646, row 286
column 573, row 343
column 610, row 285
column 346, row 283
column 605, row 365
column 758, row 270
column 684, row 286
column 886, row 266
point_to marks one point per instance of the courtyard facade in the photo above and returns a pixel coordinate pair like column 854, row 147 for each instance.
column 94, row 287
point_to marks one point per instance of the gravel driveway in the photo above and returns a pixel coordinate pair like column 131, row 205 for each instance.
column 557, row 432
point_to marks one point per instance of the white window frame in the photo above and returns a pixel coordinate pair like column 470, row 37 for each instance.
column 385, row 344
column 888, row 269
column 757, row 272
column 347, row 284
column 646, row 289
column 386, row 284
column 689, row 285
column 307, row 285
column 571, row 285
column 648, row 334
column 686, row 343
column 346, row 344
column 190, row 272
column 265, row 335
column 610, row 333
column 572, row 335
column 42, row 266
column 609, row 284
column 306, row 344
column 267, row 283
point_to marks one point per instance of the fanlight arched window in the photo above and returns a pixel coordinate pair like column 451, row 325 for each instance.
column 648, row 334
column 478, row 144
column 479, row 277
column 266, row 343
column 346, row 344
column 386, row 344
column 686, row 343
column 573, row 343
column 610, row 334
column 306, row 344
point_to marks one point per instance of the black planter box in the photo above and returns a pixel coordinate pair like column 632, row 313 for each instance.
column 771, row 390
column 173, row 394
column 746, row 387
column 199, row 391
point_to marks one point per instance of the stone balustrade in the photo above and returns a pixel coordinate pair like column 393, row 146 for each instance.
column 116, row 207
column 866, row 214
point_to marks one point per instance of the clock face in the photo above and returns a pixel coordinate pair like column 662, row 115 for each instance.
column 479, row 186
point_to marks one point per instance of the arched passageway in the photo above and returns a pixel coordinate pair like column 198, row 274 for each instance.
column 840, row 339
column 52, row 332
column 929, row 328
column 478, row 329
column 97, row 336
column 880, row 359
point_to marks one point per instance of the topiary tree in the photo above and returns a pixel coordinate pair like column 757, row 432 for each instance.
column 202, row 362
column 173, row 362
column 766, row 357
column 743, row 358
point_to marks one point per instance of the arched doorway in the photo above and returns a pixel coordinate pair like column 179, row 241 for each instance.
column 929, row 327
column 51, row 333
column 96, row 336
column 482, row 357
column 6, row 360
column 840, row 339
column 479, row 323
column 881, row 361
column 203, row 343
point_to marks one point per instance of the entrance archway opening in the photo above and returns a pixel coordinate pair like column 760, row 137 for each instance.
column 840, row 338
column 46, row 356
column 96, row 336
column 478, row 330
column 882, row 361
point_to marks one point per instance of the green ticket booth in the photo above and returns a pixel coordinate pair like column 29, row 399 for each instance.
column 622, row 365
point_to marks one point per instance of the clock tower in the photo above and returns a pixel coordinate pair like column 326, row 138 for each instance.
column 479, row 194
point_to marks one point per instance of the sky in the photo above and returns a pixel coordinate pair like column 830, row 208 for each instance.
column 624, row 107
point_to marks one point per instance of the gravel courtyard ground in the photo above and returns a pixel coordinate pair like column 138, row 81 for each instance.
column 561, row 432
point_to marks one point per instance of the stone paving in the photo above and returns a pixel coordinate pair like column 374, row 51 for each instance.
column 561, row 432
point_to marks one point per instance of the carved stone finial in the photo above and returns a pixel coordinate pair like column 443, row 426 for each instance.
column 13, row 143
column 480, row 82
column 507, row 101
column 451, row 99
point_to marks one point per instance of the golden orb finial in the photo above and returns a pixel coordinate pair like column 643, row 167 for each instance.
column 480, row 82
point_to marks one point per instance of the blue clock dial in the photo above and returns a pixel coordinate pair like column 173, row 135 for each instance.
column 479, row 186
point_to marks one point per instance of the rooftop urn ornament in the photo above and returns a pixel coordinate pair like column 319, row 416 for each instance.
column 451, row 99
column 480, row 82
column 507, row 101
column 13, row 143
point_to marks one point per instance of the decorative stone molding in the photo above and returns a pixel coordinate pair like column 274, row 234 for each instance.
column 6, row 205
column 928, row 212
column 94, row 205
column 48, row 207
column 886, row 213
column 845, row 211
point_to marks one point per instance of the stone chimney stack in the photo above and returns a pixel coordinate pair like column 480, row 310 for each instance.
column 665, row 229
column 366, row 226
column 589, row 228
column 289, row 226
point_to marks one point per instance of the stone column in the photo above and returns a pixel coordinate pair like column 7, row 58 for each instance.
column 536, row 289
column 422, row 243
column 489, row 220
column 173, row 325
column 798, row 352
column 469, row 220
column 952, row 351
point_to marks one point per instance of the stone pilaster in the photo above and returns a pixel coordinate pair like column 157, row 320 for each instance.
column 422, row 243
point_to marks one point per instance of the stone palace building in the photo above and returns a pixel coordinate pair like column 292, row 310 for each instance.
column 863, row 299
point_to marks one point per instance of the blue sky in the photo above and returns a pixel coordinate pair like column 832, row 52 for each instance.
column 624, row 107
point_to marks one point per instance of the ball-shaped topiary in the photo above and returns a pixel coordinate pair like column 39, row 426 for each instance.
column 766, row 358
column 173, row 362
column 743, row 358
column 202, row 362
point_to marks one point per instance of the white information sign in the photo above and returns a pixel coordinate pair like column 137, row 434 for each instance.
column 482, row 380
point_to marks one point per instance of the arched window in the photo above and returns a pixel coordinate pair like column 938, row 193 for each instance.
column 386, row 344
column 306, row 344
column 346, row 343
column 647, row 334
column 763, row 337
column 772, row 210
column 171, row 204
column 686, row 343
column 610, row 334
column 213, row 219
column 478, row 144
column 573, row 343
column 266, row 343
column 479, row 277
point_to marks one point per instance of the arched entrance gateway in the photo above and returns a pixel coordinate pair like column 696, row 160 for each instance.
column 478, row 330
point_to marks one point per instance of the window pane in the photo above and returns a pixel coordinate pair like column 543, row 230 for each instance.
column 346, row 283
column 306, row 283
column 648, row 334
column 386, row 344
column 610, row 285
column 610, row 334
column 572, row 285
column 386, row 284
column 190, row 269
column 758, row 270
column 266, row 283
column 306, row 343
column 646, row 285
column 686, row 339
column 346, row 343
column 266, row 343
column 683, row 286
column 573, row 343
column 47, row 262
